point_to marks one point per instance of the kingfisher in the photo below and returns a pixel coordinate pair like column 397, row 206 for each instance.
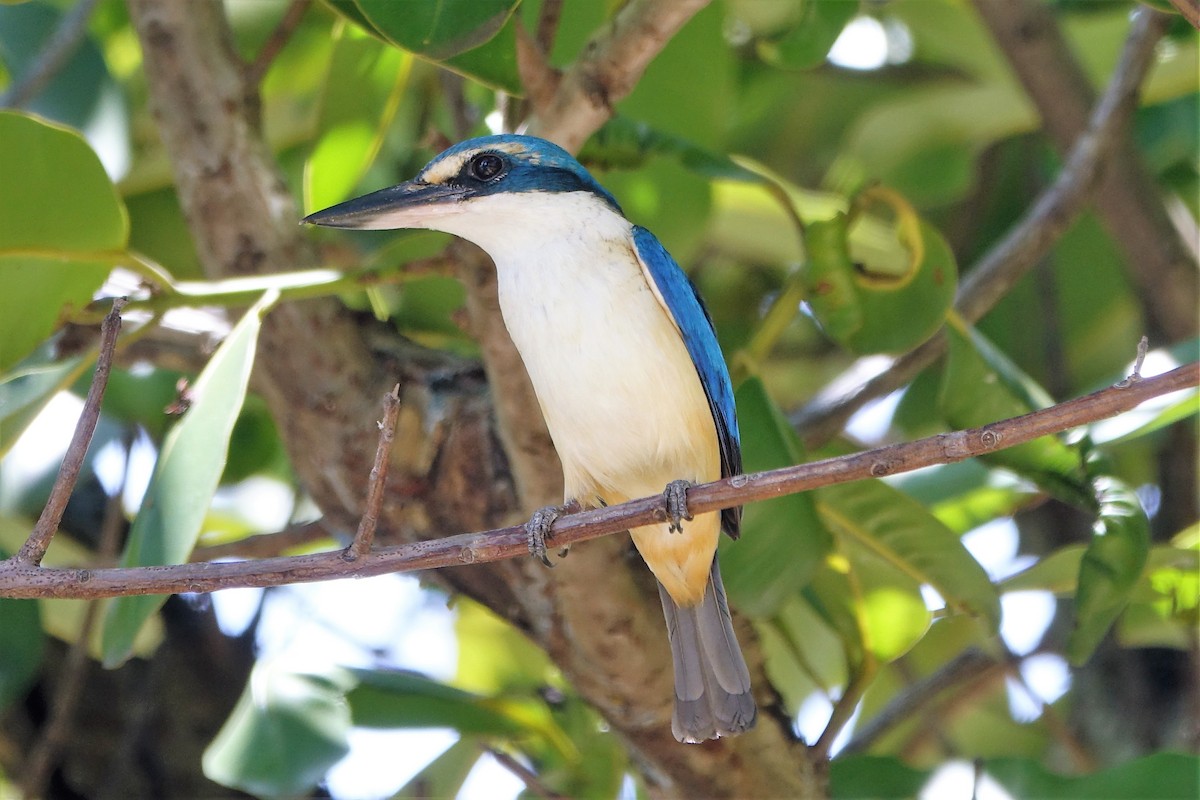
column 625, row 364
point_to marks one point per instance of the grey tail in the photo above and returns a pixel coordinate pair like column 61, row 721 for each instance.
column 712, row 684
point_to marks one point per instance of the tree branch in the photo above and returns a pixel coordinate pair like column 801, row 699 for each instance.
column 994, row 275
column 1128, row 200
column 610, row 66
column 64, row 483
column 22, row 580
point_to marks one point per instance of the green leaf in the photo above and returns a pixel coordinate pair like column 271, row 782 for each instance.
column 25, row 391
column 474, row 37
column 906, row 535
column 397, row 699
column 445, row 775
column 62, row 227
column 1162, row 776
column 876, row 777
column 438, row 29
column 185, row 477
column 284, row 734
column 353, row 123
column 878, row 285
column 980, row 386
column 783, row 540
column 1111, row 566
column 806, row 45
column 21, row 646
column 493, row 656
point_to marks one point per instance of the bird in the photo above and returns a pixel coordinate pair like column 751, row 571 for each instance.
column 624, row 361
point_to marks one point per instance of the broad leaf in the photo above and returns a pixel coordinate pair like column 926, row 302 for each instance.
column 878, row 285
column 353, row 123
column 26, row 389
column 185, row 477
column 284, row 734
column 806, row 45
column 62, row 228
column 906, row 535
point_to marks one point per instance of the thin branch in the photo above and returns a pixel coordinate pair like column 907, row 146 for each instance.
column 609, row 66
column 1128, row 201
column 23, row 580
column 55, row 54
column 365, row 535
column 47, row 525
column 257, row 69
column 966, row 668
column 994, row 275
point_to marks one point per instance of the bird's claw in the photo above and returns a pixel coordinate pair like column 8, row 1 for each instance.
column 537, row 531
column 675, row 496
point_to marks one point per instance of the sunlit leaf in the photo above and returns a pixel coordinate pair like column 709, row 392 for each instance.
column 285, row 732
column 26, row 389
column 62, row 227
column 185, row 477
column 352, row 124
column 906, row 535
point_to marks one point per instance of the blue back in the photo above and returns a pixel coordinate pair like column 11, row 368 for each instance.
column 694, row 322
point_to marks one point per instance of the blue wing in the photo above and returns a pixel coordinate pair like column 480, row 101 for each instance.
column 685, row 306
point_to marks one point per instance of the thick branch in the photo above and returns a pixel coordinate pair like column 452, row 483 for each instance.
column 1128, row 201
column 21, row 580
column 994, row 275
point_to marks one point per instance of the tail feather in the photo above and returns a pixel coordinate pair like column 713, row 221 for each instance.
column 712, row 684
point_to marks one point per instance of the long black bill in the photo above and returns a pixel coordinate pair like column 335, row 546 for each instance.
column 386, row 209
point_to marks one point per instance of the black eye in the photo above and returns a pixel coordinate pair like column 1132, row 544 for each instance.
column 486, row 166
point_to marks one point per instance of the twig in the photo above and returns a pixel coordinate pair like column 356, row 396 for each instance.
column 23, row 580
column 55, row 54
column 365, row 535
column 527, row 776
column 994, row 275
column 257, row 69
column 35, row 546
column 1136, row 374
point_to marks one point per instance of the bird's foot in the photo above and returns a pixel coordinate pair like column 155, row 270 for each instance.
column 537, row 531
column 675, row 496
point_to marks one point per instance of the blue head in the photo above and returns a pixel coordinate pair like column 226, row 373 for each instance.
column 504, row 179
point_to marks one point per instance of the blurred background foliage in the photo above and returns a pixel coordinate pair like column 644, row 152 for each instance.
column 1028, row 619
